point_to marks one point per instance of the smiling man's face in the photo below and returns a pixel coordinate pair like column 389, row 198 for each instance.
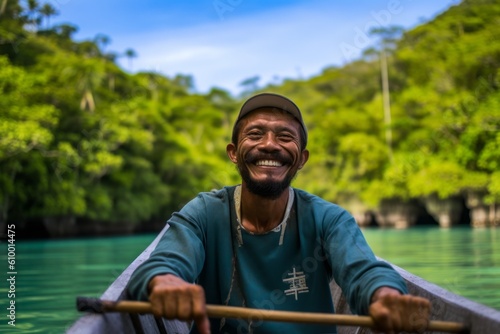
column 268, row 152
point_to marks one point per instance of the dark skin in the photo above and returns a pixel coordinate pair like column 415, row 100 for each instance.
column 264, row 134
column 268, row 148
column 393, row 312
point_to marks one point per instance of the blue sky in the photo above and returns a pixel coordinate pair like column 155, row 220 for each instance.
column 222, row 42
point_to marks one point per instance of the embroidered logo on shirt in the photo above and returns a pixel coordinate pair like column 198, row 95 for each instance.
column 297, row 283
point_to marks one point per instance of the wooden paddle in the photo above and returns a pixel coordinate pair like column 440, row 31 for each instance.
column 96, row 305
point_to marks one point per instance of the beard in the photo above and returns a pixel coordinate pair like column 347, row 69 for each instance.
column 269, row 189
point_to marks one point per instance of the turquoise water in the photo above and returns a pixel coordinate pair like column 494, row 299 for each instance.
column 51, row 274
column 462, row 260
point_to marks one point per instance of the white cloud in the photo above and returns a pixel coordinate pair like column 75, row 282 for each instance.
column 291, row 41
column 270, row 44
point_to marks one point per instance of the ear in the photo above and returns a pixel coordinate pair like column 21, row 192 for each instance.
column 231, row 152
column 304, row 157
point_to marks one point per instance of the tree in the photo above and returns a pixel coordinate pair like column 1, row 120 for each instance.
column 2, row 8
column 388, row 38
column 186, row 81
column 102, row 41
column 66, row 31
column 82, row 139
column 47, row 10
column 33, row 9
column 250, row 85
column 26, row 127
column 130, row 54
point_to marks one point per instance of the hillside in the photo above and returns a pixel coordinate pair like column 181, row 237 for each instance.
column 445, row 150
column 88, row 148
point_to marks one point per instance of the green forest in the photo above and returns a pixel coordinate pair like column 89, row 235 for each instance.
column 87, row 147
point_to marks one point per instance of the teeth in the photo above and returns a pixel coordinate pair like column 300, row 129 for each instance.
column 269, row 163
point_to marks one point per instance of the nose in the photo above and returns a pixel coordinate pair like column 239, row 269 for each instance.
column 269, row 143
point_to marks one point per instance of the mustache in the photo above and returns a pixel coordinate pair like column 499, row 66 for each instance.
column 254, row 157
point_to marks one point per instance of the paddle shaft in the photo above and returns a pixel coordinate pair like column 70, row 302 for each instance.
column 219, row 311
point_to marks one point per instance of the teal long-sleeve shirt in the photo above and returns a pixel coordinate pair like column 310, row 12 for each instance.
column 205, row 245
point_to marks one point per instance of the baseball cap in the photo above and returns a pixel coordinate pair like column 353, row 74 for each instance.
column 272, row 100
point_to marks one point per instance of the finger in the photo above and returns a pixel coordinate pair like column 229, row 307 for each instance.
column 425, row 304
column 156, row 305
column 170, row 305
column 184, row 304
column 381, row 316
column 198, row 298
column 203, row 325
column 420, row 316
column 200, row 311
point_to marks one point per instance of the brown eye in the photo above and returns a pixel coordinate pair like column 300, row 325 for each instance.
column 285, row 137
column 254, row 134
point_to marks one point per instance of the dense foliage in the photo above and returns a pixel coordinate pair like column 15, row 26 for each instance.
column 80, row 137
column 445, row 104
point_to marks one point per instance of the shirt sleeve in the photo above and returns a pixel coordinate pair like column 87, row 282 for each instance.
column 180, row 251
column 355, row 268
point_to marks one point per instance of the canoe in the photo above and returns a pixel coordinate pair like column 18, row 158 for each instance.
column 446, row 306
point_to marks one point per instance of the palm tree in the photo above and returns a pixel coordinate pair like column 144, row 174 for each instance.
column 66, row 30
column 102, row 41
column 33, row 7
column 388, row 38
column 130, row 54
column 250, row 85
column 47, row 11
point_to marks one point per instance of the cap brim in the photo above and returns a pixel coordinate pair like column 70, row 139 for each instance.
column 271, row 100
column 268, row 100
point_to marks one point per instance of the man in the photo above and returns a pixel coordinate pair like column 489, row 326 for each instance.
column 264, row 244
